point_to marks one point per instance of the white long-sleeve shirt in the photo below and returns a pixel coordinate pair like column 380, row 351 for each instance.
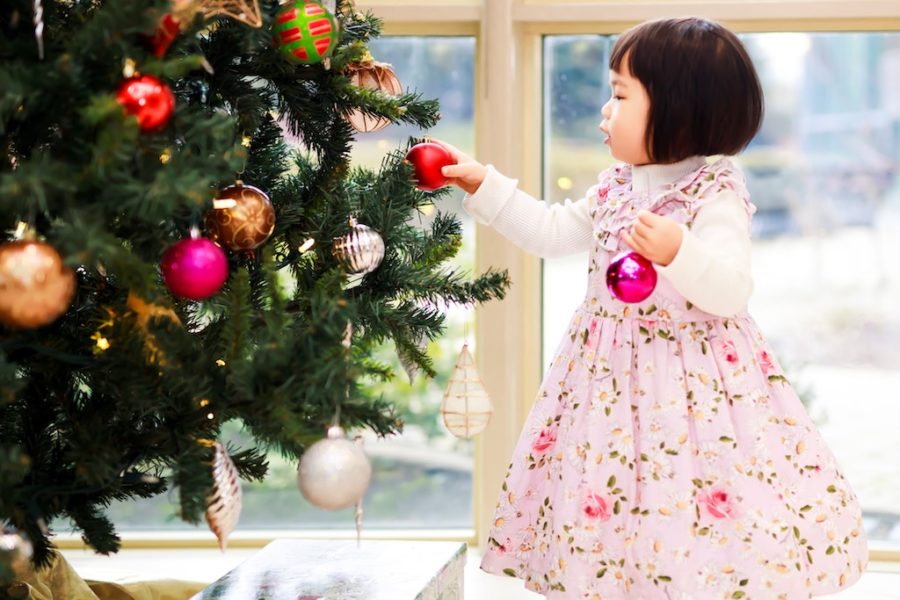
column 711, row 268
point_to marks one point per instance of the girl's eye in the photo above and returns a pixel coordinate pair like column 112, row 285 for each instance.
column 618, row 97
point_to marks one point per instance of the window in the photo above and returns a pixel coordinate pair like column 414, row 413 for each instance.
column 824, row 172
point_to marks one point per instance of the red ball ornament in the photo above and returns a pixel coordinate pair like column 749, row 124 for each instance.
column 194, row 268
column 630, row 277
column 149, row 99
column 428, row 158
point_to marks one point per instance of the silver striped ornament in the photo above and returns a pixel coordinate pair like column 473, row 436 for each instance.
column 359, row 251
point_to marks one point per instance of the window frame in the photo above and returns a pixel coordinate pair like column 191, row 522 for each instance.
column 509, row 134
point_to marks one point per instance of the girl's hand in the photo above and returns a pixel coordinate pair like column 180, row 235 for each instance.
column 654, row 237
column 467, row 173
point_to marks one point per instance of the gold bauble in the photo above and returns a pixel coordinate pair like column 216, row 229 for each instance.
column 246, row 219
column 35, row 287
column 376, row 76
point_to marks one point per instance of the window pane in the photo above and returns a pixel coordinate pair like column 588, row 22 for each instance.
column 824, row 172
column 423, row 478
column 576, row 85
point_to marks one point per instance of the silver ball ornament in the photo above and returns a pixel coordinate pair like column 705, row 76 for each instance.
column 334, row 473
column 360, row 251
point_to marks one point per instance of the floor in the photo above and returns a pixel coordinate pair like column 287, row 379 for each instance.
column 882, row 582
column 481, row 586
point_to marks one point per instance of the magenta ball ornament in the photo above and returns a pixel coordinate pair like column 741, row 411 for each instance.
column 194, row 268
column 630, row 277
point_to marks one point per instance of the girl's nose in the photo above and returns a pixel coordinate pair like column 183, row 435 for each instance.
column 605, row 111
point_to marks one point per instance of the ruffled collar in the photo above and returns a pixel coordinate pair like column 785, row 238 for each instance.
column 647, row 178
column 672, row 188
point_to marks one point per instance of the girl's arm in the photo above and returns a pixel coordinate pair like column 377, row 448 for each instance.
column 548, row 231
column 712, row 265
column 495, row 200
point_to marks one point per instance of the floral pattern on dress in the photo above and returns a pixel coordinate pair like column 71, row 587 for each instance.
column 667, row 456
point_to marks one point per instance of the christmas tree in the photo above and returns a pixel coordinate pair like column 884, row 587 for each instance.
column 172, row 264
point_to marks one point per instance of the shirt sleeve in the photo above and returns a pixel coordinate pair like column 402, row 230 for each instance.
column 712, row 266
column 548, row 231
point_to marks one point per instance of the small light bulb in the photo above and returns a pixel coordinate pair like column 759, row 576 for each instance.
column 129, row 68
column 224, row 203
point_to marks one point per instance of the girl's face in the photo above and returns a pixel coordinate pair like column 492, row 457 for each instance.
column 625, row 117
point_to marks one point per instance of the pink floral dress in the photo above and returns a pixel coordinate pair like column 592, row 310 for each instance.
column 667, row 456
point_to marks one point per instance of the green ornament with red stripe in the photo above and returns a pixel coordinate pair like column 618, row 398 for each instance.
column 305, row 32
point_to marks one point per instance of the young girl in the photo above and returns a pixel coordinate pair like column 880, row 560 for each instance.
column 666, row 457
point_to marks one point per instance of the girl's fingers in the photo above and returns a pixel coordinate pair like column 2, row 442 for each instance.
column 455, row 171
column 643, row 235
column 632, row 243
column 643, row 242
column 640, row 229
column 458, row 155
column 471, row 172
column 648, row 218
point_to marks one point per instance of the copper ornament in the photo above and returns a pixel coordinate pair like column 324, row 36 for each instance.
column 245, row 220
column 35, row 287
column 372, row 75
column 223, row 507
column 245, row 11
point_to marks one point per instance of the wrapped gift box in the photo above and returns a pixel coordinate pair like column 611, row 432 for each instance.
column 341, row 570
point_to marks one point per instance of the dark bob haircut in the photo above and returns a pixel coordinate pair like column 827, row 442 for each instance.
column 705, row 96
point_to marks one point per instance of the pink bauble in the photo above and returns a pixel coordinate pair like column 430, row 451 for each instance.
column 630, row 277
column 194, row 268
